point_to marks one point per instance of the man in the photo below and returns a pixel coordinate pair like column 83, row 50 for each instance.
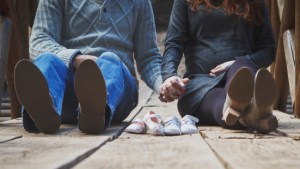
column 86, row 47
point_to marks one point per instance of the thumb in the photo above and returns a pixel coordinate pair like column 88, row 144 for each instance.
column 185, row 80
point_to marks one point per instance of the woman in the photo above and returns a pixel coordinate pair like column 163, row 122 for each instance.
column 227, row 45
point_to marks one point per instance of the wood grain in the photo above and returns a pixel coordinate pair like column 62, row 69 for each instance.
column 279, row 153
column 280, row 71
column 297, row 58
column 63, row 149
column 288, row 125
column 5, row 31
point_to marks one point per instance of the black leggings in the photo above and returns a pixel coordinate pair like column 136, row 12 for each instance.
column 210, row 110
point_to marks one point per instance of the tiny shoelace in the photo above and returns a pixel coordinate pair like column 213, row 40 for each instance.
column 188, row 121
column 172, row 122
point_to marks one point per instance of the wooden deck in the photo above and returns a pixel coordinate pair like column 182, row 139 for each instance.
column 212, row 148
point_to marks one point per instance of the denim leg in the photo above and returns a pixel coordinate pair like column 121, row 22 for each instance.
column 121, row 87
column 56, row 74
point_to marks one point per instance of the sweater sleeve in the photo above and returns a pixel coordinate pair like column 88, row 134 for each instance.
column 264, row 47
column 146, row 51
column 46, row 32
column 175, row 39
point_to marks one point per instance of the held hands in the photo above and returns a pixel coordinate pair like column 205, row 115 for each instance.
column 80, row 58
column 220, row 68
column 172, row 88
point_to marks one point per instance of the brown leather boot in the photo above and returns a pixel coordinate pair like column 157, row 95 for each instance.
column 33, row 93
column 91, row 92
column 239, row 95
column 259, row 115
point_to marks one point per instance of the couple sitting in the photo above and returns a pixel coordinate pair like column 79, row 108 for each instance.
column 83, row 54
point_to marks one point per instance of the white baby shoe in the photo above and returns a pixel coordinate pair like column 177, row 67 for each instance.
column 137, row 126
column 188, row 124
column 154, row 123
column 172, row 126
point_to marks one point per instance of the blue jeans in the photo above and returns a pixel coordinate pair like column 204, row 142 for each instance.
column 122, row 90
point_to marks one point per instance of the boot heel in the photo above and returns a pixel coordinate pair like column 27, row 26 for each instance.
column 91, row 124
column 90, row 89
column 239, row 96
column 267, row 124
column 231, row 116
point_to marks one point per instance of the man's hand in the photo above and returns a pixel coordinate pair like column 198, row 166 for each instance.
column 80, row 58
column 220, row 68
column 172, row 88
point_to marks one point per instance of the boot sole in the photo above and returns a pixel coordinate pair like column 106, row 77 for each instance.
column 33, row 93
column 240, row 93
column 267, row 124
column 265, row 93
column 91, row 92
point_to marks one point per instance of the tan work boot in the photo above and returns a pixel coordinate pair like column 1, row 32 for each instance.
column 239, row 95
column 259, row 115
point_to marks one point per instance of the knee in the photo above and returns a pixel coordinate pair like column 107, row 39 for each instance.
column 110, row 56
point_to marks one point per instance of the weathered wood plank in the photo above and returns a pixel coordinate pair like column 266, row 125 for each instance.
column 289, row 50
column 4, row 119
column 280, row 4
column 275, row 21
column 216, row 132
column 146, row 151
column 8, row 137
column 297, row 58
column 5, row 31
column 239, row 149
column 280, row 71
column 62, row 149
column 288, row 125
column 279, row 153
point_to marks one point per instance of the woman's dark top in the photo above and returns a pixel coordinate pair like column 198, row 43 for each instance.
column 207, row 38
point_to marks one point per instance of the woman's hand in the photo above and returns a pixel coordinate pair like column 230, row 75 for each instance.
column 80, row 58
column 220, row 68
column 172, row 88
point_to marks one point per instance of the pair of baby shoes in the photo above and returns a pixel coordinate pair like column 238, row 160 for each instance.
column 171, row 126
column 151, row 121
column 187, row 125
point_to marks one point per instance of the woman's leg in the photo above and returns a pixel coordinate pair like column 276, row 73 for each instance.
column 121, row 87
column 211, row 107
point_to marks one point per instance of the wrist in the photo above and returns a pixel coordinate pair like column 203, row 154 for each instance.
column 75, row 62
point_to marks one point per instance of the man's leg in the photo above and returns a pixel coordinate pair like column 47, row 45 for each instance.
column 101, row 89
column 91, row 93
column 122, row 91
column 40, row 87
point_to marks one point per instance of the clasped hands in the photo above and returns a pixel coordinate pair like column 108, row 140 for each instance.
column 172, row 88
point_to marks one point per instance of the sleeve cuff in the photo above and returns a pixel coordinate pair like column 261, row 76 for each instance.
column 166, row 76
column 67, row 56
column 157, row 84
